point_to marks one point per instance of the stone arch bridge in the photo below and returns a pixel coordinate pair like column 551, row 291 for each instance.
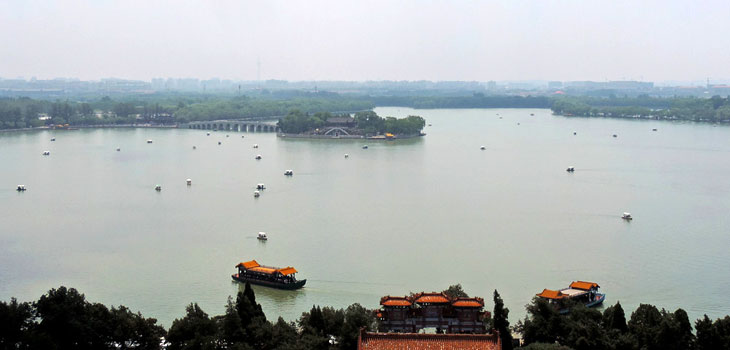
column 233, row 125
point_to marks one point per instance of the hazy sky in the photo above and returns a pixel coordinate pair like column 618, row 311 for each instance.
column 367, row 40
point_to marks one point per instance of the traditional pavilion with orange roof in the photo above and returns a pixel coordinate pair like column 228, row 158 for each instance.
column 578, row 292
column 432, row 310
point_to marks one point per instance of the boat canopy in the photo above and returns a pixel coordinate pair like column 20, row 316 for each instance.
column 287, row 271
column 249, row 264
column 583, row 285
column 253, row 265
column 551, row 294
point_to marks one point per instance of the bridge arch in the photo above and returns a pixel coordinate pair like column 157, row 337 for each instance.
column 337, row 131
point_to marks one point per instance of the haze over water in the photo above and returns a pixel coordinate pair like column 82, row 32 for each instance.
column 402, row 216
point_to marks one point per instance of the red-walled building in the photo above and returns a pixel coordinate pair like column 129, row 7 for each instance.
column 432, row 310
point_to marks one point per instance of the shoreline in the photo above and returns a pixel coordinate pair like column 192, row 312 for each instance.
column 345, row 137
column 77, row 127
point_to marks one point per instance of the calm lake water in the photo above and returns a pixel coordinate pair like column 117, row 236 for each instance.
column 402, row 216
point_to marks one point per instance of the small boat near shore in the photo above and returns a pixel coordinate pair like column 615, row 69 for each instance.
column 20, row 188
column 627, row 216
column 580, row 292
column 289, row 172
column 262, row 236
column 268, row 276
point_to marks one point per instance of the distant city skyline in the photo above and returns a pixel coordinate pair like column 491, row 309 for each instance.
column 654, row 41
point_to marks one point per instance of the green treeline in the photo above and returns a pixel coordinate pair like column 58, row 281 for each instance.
column 648, row 328
column 170, row 109
column 23, row 112
column 246, row 107
column 475, row 101
column 715, row 109
column 64, row 319
column 366, row 123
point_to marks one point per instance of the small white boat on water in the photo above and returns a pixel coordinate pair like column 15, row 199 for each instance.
column 189, row 182
column 258, row 157
column 262, row 236
column 260, row 187
column 255, row 145
column 347, row 155
column 158, row 188
column 118, row 149
column 575, row 133
column 483, row 148
column 46, row 153
column 614, row 135
column 21, row 188
column 219, row 142
column 256, row 194
column 53, row 139
column 570, row 169
column 149, row 141
column 195, row 147
column 627, row 216
column 365, row 147
column 208, row 134
column 289, row 172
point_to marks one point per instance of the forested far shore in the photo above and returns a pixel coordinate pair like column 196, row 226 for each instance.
column 172, row 109
column 63, row 319
column 23, row 112
column 715, row 109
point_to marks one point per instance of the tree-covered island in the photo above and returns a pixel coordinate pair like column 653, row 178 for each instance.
column 362, row 124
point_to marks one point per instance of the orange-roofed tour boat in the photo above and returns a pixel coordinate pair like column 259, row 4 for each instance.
column 582, row 292
column 268, row 276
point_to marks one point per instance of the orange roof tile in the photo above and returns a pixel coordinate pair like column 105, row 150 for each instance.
column 395, row 301
column 262, row 269
column 468, row 302
column 249, row 264
column 393, row 341
column 433, row 298
column 551, row 294
column 287, row 270
column 582, row 285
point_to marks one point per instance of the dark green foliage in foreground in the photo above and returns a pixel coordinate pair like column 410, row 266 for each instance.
column 545, row 346
column 63, row 319
column 500, row 321
column 648, row 328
